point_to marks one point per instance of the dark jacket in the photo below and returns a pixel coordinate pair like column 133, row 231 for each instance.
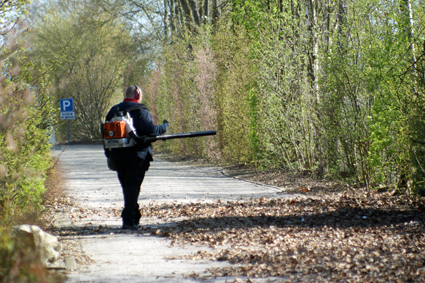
column 142, row 121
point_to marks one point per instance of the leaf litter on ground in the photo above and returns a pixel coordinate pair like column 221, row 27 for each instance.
column 346, row 236
column 328, row 235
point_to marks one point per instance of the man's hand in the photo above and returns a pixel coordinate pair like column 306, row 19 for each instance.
column 166, row 124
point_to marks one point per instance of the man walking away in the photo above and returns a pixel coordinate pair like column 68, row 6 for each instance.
column 131, row 163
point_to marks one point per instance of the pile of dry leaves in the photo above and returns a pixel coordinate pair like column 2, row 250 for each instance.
column 346, row 236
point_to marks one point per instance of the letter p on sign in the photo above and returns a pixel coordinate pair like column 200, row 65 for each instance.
column 67, row 105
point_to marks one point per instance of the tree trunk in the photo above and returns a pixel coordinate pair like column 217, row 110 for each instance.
column 314, row 57
column 342, row 12
column 214, row 12
column 313, row 69
column 205, row 12
column 165, row 19
column 408, row 7
column 186, row 10
column 195, row 14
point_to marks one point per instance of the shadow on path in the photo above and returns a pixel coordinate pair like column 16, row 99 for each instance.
column 305, row 214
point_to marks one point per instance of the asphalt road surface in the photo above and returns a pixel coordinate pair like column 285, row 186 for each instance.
column 133, row 256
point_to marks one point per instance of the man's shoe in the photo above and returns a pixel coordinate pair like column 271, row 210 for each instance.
column 130, row 227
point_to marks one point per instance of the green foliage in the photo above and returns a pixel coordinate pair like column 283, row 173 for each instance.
column 172, row 97
column 415, row 120
column 255, row 16
column 204, row 84
column 252, row 97
column 416, row 133
column 87, row 55
column 331, row 88
column 354, row 108
column 26, row 110
column 185, row 94
column 368, row 90
column 10, row 11
column 236, row 95
column 286, row 122
column 290, row 91
column 24, row 147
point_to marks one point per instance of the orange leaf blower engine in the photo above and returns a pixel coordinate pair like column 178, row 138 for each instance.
column 119, row 132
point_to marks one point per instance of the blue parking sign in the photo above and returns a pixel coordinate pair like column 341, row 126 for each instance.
column 67, row 105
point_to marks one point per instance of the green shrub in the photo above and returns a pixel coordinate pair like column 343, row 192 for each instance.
column 24, row 142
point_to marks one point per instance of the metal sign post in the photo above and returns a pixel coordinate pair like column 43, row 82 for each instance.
column 67, row 111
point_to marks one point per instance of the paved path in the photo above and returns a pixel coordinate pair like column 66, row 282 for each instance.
column 135, row 257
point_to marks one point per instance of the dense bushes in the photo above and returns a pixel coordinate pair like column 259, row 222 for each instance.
column 26, row 117
column 335, row 90
column 24, row 143
column 203, row 86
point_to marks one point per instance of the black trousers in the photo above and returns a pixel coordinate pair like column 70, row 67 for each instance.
column 131, row 174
